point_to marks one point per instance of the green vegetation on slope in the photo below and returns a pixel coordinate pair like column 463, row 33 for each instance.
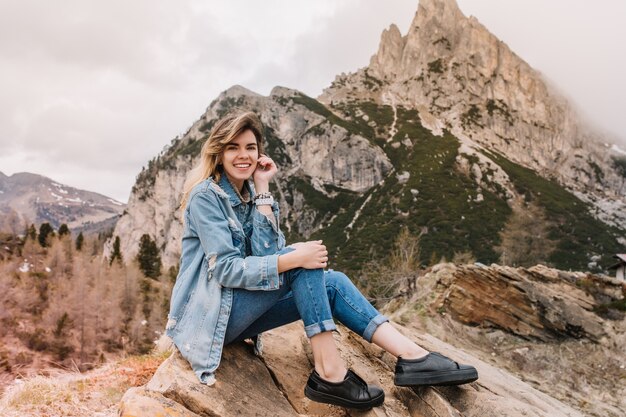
column 442, row 205
column 577, row 234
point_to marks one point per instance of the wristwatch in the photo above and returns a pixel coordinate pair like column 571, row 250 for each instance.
column 264, row 199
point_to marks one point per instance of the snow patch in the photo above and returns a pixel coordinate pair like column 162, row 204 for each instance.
column 75, row 200
column 618, row 149
column 24, row 267
column 117, row 203
column 58, row 197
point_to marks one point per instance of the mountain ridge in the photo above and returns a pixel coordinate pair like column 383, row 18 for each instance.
column 27, row 198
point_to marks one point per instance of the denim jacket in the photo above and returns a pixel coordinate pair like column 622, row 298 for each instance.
column 226, row 244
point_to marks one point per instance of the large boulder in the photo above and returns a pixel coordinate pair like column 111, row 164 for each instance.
column 248, row 385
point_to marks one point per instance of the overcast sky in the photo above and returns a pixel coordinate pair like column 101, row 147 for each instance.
column 91, row 90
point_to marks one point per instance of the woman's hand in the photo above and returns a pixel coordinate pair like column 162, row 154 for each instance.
column 311, row 254
column 307, row 255
column 265, row 169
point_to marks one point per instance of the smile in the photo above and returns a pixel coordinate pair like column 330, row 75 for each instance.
column 245, row 166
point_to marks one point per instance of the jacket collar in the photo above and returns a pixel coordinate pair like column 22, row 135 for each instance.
column 227, row 187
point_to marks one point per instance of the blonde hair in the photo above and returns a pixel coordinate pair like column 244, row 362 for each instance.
column 224, row 131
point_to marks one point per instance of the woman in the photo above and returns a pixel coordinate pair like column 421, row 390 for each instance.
column 237, row 279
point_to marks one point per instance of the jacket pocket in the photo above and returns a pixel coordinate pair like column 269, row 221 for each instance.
column 239, row 238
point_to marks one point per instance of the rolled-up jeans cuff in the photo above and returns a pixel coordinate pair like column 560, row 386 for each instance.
column 316, row 328
column 373, row 325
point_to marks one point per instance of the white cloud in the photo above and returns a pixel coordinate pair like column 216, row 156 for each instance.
column 92, row 90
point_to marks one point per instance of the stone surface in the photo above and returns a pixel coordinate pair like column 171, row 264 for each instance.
column 537, row 302
column 139, row 402
column 244, row 387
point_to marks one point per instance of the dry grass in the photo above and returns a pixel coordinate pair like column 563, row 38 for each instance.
column 96, row 393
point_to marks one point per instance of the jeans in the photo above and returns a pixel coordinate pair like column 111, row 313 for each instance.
column 313, row 295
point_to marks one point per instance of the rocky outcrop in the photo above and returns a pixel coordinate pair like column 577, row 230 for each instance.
column 452, row 68
column 561, row 332
column 538, row 302
column 273, row 385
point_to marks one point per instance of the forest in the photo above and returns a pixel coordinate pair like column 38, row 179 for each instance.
column 64, row 305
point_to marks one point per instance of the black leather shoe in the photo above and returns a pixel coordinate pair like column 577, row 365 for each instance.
column 433, row 369
column 352, row 392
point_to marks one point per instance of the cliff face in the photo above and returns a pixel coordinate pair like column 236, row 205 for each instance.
column 454, row 71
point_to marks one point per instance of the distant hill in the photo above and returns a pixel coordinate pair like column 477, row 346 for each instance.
column 27, row 198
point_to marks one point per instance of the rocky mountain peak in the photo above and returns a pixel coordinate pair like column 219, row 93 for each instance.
column 237, row 91
column 389, row 52
column 461, row 77
column 280, row 91
column 445, row 12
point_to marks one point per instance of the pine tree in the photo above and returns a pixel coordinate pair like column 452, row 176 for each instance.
column 64, row 230
column 79, row 241
column 45, row 230
column 32, row 232
column 148, row 257
column 117, row 254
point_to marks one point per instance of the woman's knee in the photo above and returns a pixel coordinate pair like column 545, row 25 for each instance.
column 336, row 280
column 302, row 273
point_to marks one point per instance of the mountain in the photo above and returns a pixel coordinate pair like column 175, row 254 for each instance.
column 460, row 77
column 27, row 198
column 447, row 133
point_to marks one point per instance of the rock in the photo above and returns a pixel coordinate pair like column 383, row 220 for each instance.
column 244, row 386
column 550, row 328
column 250, row 386
column 143, row 402
column 532, row 303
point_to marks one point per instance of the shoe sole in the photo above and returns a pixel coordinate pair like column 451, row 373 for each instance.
column 321, row 397
column 456, row 377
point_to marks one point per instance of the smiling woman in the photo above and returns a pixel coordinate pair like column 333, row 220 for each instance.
column 237, row 279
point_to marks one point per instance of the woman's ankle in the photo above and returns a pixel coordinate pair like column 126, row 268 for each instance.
column 414, row 354
column 332, row 374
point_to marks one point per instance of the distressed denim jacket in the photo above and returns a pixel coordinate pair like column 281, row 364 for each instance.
column 226, row 244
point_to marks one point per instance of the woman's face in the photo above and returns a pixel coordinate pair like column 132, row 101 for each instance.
column 240, row 157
